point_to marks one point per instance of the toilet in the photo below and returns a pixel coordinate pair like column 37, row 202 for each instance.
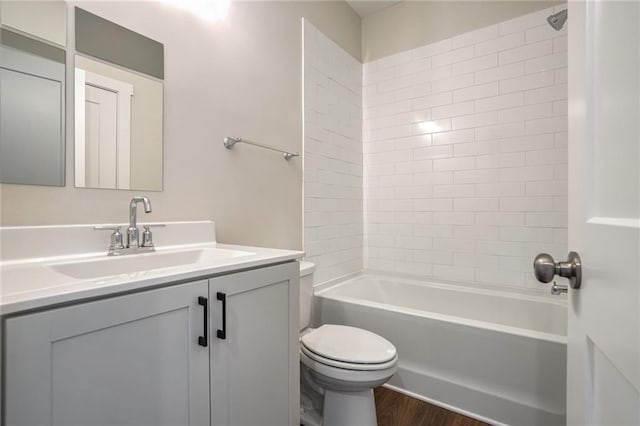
column 339, row 367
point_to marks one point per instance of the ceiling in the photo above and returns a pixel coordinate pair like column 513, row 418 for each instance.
column 364, row 8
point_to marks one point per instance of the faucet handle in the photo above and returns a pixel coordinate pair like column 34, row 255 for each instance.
column 116, row 238
column 147, row 236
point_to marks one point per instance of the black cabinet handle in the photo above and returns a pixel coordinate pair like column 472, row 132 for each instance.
column 222, row 334
column 202, row 340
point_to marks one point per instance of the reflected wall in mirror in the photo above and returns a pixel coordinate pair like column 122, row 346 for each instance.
column 118, row 106
column 118, row 128
column 32, row 92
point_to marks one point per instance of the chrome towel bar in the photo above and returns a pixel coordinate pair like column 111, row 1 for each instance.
column 229, row 142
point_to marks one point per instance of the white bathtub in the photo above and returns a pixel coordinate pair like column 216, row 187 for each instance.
column 498, row 356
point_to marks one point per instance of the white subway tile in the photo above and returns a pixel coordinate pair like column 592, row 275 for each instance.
column 476, row 176
column 504, row 248
column 510, row 100
column 546, row 94
column 546, row 63
column 454, row 191
column 431, row 126
column 414, row 166
column 500, row 73
column 475, row 92
column 457, row 82
column 526, row 234
column 547, row 188
column 500, row 218
column 476, row 232
column 474, row 120
column 438, row 231
column 515, row 159
column 526, row 174
column 455, row 137
column 394, row 84
column 526, row 82
column 527, row 112
column 452, row 56
column 542, row 32
column 452, row 110
column 476, row 148
column 394, row 108
column 524, row 204
column 505, row 189
column 463, row 163
column 560, row 76
column 476, row 204
column 432, row 101
column 528, row 51
column 456, row 273
column 501, row 43
column 433, row 178
column 547, row 219
column 546, row 156
column 500, row 131
column 527, row 143
column 412, row 192
column 560, row 107
column 475, row 64
column 431, row 75
column 546, row 125
column 560, row 44
column 431, row 152
column 449, row 218
column 432, row 205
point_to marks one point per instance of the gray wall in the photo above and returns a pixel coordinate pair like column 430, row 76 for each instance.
column 412, row 24
column 238, row 77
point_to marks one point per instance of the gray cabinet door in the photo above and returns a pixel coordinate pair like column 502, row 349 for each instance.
column 128, row 360
column 254, row 369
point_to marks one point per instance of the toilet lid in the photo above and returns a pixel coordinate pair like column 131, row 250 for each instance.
column 349, row 344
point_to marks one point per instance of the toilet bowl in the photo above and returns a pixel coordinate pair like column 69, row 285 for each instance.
column 340, row 366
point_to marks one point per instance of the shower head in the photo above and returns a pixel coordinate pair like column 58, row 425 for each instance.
column 557, row 20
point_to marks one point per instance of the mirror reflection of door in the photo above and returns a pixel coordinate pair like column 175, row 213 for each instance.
column 104, row 134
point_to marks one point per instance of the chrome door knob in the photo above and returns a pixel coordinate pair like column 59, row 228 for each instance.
column 545, row 268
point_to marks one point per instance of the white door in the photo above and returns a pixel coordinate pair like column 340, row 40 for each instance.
column 603, row 386
column 101, row 142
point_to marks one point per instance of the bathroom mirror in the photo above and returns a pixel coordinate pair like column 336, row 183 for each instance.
column 32, row 83
column 118, row 98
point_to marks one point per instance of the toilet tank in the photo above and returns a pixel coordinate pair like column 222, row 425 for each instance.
column 306, row 293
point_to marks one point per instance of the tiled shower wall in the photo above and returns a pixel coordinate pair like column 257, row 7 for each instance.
column 333, row 216
column 465, row 154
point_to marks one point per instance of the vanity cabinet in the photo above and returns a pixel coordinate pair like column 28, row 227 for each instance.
column 254, row 347
column 141, row 359
column 127, row 360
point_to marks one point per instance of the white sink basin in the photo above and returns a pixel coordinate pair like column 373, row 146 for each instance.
column 141, row 263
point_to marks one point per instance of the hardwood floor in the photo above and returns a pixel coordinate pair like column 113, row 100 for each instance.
column 396, row 409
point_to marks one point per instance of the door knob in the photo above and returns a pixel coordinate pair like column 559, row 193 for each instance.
column 545, row 268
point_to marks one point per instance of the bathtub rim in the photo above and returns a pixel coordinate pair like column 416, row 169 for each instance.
column 324, row 291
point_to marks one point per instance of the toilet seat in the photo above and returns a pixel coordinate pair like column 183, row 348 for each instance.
column 348, row 348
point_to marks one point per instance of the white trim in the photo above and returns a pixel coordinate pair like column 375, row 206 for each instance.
column 79, row 128
column 615, row 221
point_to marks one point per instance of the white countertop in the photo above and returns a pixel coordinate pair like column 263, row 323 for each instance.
column 33, row 283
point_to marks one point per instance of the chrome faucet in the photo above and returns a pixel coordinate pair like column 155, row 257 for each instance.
column 133, row 235
column 132, row 244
